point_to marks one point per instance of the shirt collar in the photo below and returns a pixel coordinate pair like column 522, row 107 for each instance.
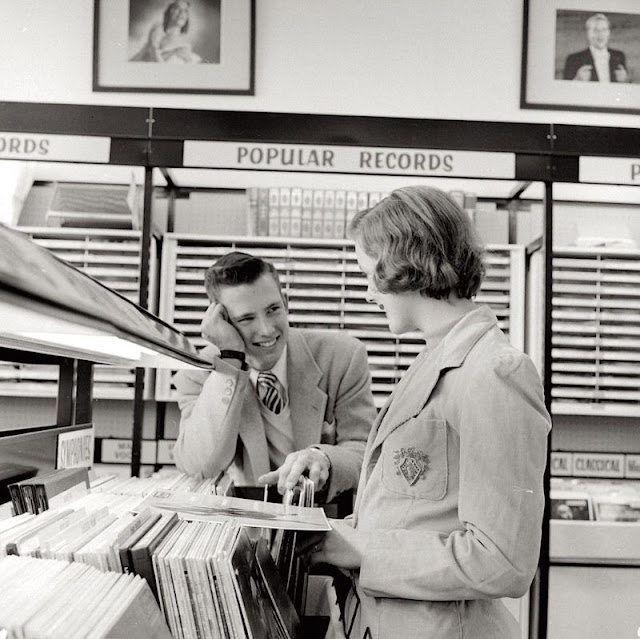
column 279, row 370
column 599, row 53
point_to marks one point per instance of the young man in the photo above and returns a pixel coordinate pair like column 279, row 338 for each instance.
column 281, row 401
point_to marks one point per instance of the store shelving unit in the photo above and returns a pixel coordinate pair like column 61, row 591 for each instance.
column 596, row 332
column 56, row 315
column 163, row 139
column 595, row 373
column 113, row 257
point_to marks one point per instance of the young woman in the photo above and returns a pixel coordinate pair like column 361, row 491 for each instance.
column 450, row 499
column 168, row 41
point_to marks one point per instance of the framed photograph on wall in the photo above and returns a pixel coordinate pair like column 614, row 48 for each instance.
column 581, row 56
column 174, row 46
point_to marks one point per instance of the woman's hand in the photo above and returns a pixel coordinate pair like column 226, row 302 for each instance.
column 343, row 546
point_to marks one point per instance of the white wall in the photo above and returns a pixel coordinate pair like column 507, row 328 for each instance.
column 453, row 59
column 575, row 222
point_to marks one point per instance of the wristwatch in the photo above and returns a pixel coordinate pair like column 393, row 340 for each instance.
column 239, row 355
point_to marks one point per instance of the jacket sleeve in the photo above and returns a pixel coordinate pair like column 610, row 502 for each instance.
column 354, row 413
column 503, row 427
column 571, row 66
column 210, row 405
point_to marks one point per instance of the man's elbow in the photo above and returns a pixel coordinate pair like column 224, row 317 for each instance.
column 178, row 461
column 183, row 463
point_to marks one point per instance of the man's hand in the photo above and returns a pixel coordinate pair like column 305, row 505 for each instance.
column 217, row 329
column 621, row 74
column 583, row 74
column 310, row 460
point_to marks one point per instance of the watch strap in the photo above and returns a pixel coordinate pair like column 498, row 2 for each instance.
column 226, row 353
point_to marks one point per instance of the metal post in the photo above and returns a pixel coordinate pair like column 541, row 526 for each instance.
column 138, row 397
column 161, row 412
column 84, row 392
column 542, row 586
column 65, row 407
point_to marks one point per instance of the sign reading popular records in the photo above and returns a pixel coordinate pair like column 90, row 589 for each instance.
column 610, row 170
column 54, row 148
column 348, row 159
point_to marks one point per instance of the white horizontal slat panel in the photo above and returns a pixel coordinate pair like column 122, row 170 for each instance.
column 596, row 332
column 326, row 290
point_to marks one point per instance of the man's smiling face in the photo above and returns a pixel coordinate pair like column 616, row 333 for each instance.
column 258, row 311
column 598, row 34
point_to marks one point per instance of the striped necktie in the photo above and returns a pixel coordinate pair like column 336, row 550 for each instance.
column 271, row 392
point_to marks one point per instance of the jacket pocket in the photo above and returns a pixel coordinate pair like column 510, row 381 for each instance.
column 414, row 459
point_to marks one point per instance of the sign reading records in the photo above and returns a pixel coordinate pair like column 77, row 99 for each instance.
column 348, row 159
column 54, row 148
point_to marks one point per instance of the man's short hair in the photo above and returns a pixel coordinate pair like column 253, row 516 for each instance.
column 422, row 241
column 597, row 17
column 235, row 268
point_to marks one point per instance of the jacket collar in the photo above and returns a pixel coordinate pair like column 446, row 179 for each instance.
column 427, row 368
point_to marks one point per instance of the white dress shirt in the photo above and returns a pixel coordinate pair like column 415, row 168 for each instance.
column 278, row 428
column 601, row 60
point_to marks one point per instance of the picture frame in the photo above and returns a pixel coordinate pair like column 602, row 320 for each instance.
column 174, row 46
column 556, row 56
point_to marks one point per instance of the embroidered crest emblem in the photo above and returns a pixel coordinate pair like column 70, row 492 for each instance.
column 412, row 464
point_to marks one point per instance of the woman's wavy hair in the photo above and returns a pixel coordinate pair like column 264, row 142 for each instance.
column 422, row 241
column 167, row 12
